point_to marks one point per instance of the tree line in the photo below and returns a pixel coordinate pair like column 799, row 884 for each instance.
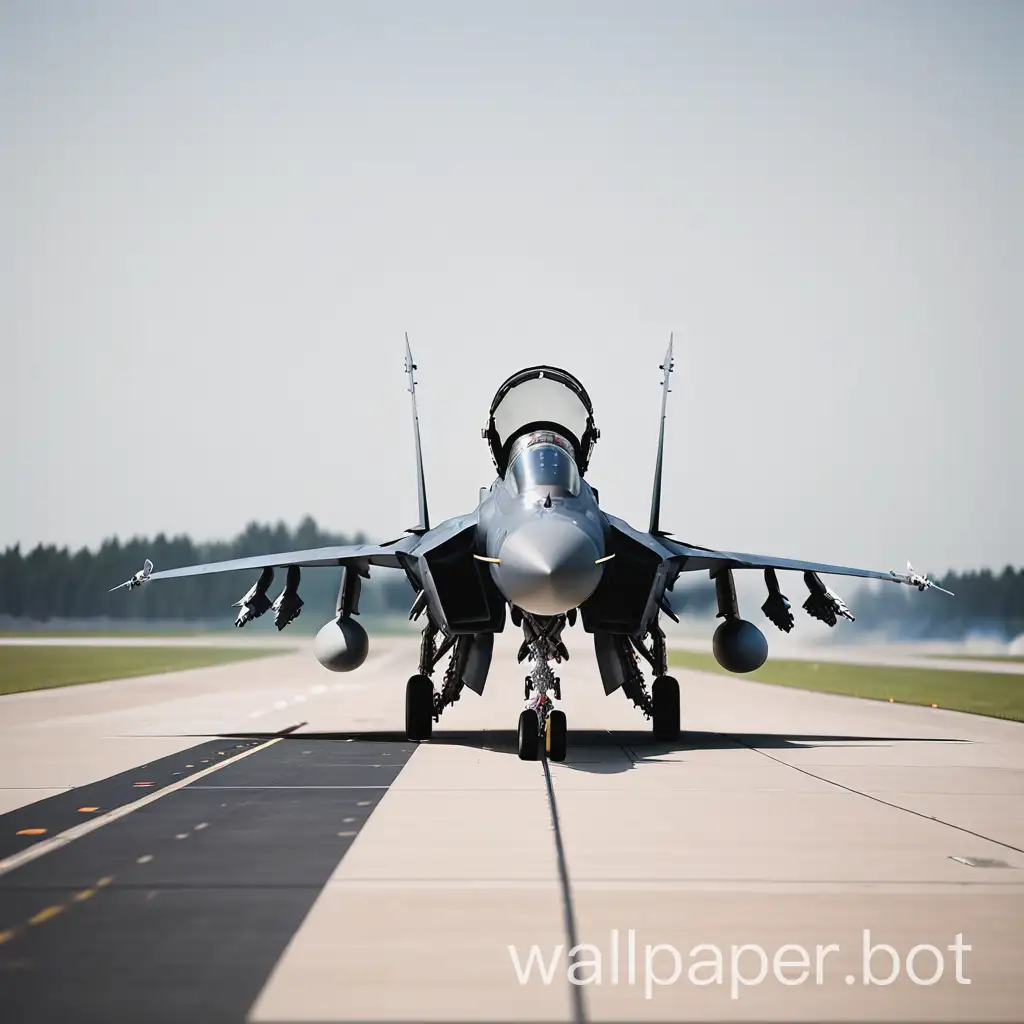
column 56, row 583
column 984, row 602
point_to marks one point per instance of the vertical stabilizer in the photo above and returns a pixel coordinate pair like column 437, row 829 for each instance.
column 666, row 367
column 421, row 483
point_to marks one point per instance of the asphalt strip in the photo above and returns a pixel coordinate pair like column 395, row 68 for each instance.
column 177, row 904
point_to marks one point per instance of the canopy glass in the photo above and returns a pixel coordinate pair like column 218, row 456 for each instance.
column 543, row 461
column 541, row 397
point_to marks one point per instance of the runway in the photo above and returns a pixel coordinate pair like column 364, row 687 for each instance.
column 295, row 858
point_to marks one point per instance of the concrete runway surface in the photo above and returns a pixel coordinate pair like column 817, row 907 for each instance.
column 258, row 841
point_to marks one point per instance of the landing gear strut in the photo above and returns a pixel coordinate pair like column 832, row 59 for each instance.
column 540, row 724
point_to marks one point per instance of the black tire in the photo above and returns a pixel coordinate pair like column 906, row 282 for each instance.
column 529, row 736
column 665, row 697
column 556, row 736
column 419, row 708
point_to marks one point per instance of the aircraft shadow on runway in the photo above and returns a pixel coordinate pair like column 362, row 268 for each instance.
column 608, row 752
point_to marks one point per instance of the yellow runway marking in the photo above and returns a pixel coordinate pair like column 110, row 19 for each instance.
column 87, row 810
column 48, row 913
column 45, row 914
column 30, row 832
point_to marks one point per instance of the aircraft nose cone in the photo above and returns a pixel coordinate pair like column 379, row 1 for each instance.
column 547, row 567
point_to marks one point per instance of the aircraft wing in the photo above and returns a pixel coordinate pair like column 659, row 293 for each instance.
column 371, row 554
column 707, row 558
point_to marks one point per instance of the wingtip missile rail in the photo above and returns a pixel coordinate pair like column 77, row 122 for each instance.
column 142, row 576
column 918, row 579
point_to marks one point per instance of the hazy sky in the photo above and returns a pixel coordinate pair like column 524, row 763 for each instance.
column 217, row 220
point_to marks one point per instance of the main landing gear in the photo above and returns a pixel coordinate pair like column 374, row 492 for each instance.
column 541, row 726
column 661, row 705
column 423, row 707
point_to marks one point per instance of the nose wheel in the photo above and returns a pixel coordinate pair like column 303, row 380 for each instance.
column 551, row 737
column 556, row 736
column 529, row 735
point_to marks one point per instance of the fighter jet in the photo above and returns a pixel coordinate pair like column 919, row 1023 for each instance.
column 539, row 551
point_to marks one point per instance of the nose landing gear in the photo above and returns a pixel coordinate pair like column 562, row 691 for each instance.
column 541, row 726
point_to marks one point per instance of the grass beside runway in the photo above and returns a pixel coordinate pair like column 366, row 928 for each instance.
column 40, row 668
column 978, row 657
column 1000, row 695
column 111, row 634
column 305, row 626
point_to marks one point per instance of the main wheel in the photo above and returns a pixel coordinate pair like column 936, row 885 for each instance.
column 665, row 697
column 529, row 735
column 556, row 736
column 419, row 708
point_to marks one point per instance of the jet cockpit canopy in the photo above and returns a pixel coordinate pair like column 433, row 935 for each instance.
column 543, row 460
column 541, row 398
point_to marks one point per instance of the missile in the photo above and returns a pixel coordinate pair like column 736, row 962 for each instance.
column 823, row 603
column 777, row 607
column 288, row 603
column 255, row 602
